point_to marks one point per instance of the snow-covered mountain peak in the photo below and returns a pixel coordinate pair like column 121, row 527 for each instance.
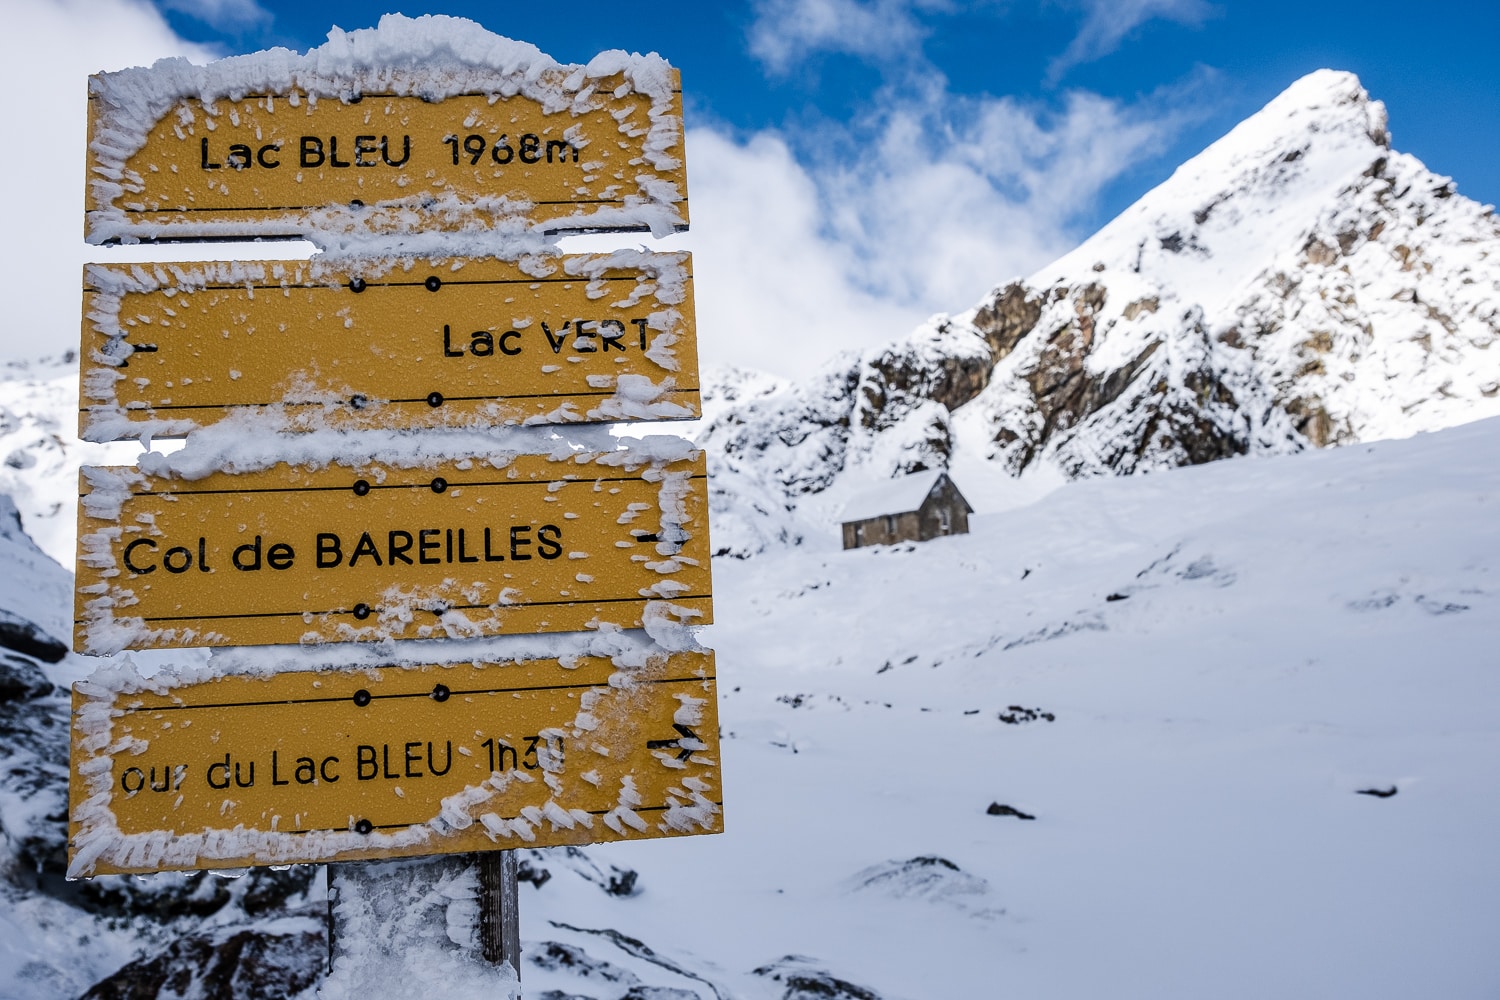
column 1297, row 284
column 1205, row 228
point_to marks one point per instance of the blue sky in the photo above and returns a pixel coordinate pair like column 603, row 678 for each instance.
column 799, row 66
column 855, row 166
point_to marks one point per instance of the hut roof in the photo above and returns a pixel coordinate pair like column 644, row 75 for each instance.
column 895, row 497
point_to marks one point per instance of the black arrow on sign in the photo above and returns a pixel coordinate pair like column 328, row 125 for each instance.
column 677, row 743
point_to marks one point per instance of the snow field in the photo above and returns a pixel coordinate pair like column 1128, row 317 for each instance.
column 1291, row 631
column 1288, row 631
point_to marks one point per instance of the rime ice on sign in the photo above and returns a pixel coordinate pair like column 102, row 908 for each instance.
column 303, row 767
column 527, row 543
column 351, row 477
column 409, row 342
column 431, row 123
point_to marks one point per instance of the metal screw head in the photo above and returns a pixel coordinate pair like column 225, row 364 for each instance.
column 433, row 283
column 440, row 693
column 364, row 826
column 434, row 399
column 356, row 284
column 439, row 484
column 361, row 487
column 361, row 697
column 361, row 611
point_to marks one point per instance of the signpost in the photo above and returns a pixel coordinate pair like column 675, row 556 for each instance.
column 564, row 150
column 446, row 342
column 292, row 555
column 325, row 766
column 440, row 161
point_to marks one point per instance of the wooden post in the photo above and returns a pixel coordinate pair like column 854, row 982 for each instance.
column 499, row 916
column 332, row 890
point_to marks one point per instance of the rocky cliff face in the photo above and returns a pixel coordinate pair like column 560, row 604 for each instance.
column 1298, row 284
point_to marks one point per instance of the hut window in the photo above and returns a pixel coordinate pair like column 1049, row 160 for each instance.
column 944, row 524
column 890, row 524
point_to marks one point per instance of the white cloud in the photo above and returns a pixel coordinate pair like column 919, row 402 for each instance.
column 1107, row 22
column 921, row 208
column 222, row 14
column 47, row 51
column 774, row 289
column 786, row 31
column 945, row 196
column 890, row 33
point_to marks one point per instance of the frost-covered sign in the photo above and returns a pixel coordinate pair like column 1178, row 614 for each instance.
column 385, row 342
column 447, row 128
column 388, row 442
column 453, row 549
column 322, row 766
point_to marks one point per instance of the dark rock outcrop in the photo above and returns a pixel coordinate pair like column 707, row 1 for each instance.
column 268, row 960
column 28, row 638
column 804, row 979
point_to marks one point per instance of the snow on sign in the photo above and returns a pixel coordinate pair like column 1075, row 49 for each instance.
column 388, row 762
column 398, row 342
column 390, row 130
column 519, row 544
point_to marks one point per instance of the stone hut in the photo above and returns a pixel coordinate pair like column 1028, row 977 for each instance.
column 914, row 509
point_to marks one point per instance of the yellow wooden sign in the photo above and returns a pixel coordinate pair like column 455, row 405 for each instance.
column 387, row 343
column 392, row 762
column 528, row 544
column 559, row 149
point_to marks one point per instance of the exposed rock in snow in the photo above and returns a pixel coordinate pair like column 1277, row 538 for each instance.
column 927, row 877
column 556, row 956
column 806, row 980
column 536, row 867
column 21, row 679
column 282, row 957
column 1298, row 284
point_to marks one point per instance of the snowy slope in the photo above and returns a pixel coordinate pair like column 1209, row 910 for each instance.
column 40, row 452
column 1297, row 284
column 1186, row 679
